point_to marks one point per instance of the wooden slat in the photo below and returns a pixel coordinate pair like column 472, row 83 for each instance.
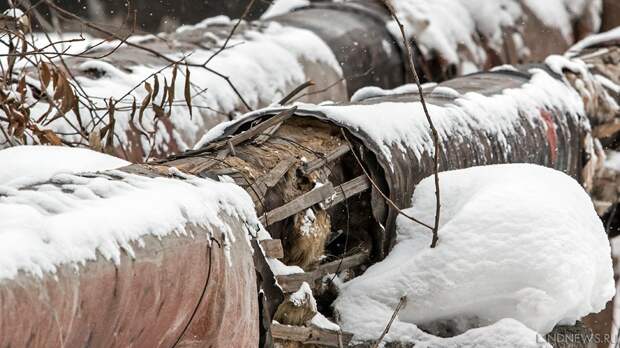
column 300, row 203
column 262, row 127
column 310, row 335
column 347, row 190
column 292, row 282
column 272, row 178
column 320, row 162
column 272, row 248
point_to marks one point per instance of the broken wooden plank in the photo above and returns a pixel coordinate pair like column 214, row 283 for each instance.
column 263, row 126
column 272, row 178
column 272, row 248
column 310, row 335
column 347, row 190
column 330, row 157
column 292, row 282
column 227, row 147
column 298, row 204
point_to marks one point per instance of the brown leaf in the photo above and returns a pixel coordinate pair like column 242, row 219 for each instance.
column 145, row 102
column 21, row 88
column 60, row 86
column 45, row 75
column 187, row 92
column 155, row 87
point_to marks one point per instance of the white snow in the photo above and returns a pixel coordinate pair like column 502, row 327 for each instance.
column 307, row 226
column 374, row 91
column 279, row 268
column 612, row 161
column 13, row 13
column 516, row 241
column 404, row 124
column 264, row 64
column 505, row 333
column 451, row 28
column 29, row 164
column 613, row 34
column 320, row 321
column 280, row 7
column 445, row 91
column 74, row 218
column 299, row 297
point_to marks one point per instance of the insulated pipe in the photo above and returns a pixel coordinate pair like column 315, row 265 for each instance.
column 340, row 46
column 186, row 286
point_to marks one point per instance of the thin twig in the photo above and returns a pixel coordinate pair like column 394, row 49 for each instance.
column 434, row 132
column 296, row 91
column 152, row 51
column 400, row 305
column 372, row 182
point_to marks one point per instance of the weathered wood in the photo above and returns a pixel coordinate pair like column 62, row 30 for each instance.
column 292, row 282
column 261, row 127
column 347, row 190
column 310, row 335
column 330, row 157
column 302, row 202
column 272, row 248
column 272, row 178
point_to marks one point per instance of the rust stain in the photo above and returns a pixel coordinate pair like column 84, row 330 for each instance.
column 552, row 137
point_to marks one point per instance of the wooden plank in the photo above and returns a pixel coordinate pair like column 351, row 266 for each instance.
column 330, row 157
column 272, row 248
column 347, row 190
column 263, row 126
column 261, row 138
column 292, row 282
column 227, row 145
column 272, row 178
column 310, row 335
column 298, row 204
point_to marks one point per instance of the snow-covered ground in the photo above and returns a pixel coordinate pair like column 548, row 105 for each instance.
column 516, row 241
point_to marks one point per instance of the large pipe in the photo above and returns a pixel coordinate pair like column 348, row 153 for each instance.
column 341, row 46
column 281, row 155
column 187, row 285
column 535, row 114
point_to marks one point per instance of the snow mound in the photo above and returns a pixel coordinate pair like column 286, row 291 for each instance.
column 39, row 163
column 505, row 333
column 515, row 241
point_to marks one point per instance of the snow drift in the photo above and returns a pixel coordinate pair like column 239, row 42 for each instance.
column 515, row 241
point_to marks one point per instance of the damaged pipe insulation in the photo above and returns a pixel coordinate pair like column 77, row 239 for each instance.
column 300, row 166
column 104, row 269
column 303, row 164
column 340, row 47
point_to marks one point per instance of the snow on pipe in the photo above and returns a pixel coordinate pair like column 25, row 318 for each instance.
column 150, row 295
column 267, row 59
column 299, row 168
column 131, row 256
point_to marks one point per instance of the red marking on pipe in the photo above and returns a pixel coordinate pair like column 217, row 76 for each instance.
column 552, row 137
